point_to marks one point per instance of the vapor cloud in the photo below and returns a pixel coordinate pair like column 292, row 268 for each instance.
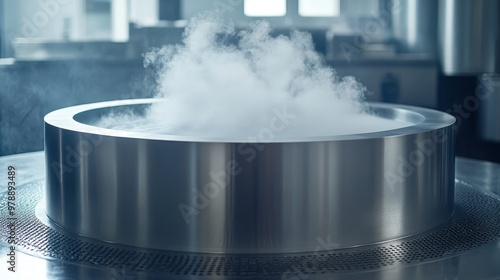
column 223, row 83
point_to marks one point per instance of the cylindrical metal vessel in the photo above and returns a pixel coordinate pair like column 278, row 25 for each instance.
column 468, row 36
column 414, row 24
column 489, row 115
column 197, row 194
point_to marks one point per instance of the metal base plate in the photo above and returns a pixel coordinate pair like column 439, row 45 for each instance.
column 476, row 223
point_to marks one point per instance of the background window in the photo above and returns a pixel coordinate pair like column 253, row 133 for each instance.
column 319, row 8
column 265, row 8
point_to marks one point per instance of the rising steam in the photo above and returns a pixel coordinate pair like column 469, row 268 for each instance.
column 222, row 83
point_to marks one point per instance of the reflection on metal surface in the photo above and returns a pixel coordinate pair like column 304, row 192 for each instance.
column 481, row 174
column 201, row 195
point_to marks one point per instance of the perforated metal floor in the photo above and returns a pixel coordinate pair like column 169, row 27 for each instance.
column 477, row 222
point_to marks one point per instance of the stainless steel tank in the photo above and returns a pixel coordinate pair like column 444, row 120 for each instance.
column 489, row 115
column 468, row 36
column 414, row 25
column 203, row 195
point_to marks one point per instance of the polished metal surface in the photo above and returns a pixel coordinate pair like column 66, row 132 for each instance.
column 468, row 36
column 202, row 195
column 489, row 115
column 481, row 174
column 414, row 25
column 479, row 264
column 29, row 168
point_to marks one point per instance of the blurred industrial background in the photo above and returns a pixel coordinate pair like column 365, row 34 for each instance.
column 437, row 54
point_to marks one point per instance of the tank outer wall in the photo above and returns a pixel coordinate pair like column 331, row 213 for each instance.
column 248, row 198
